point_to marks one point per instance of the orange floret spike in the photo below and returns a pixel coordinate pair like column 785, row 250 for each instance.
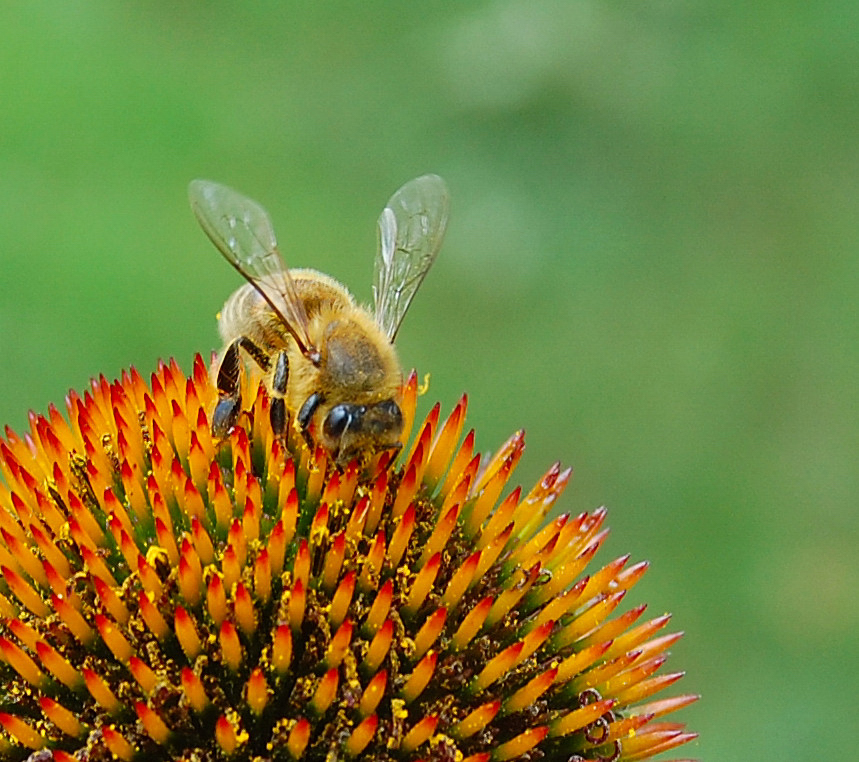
column 25, row 558
column 531, row 692
column 377, row 503
column 24, row 593
column 145, row 677
column 237, row 540
column 202, row 542
column 193, row 689
column 373, row 693
column 243, row 608
column 400, row 538
column 225, row 735
column 408, row 488
column 333, row 562
column 186, row 633
column 419, row 734
column 231, row 648
column 497, row 668
column 649, row 743
column 429, row 632
column 100, row 691
column 57, row 665
column 380, row 608
column 460, row 581
column 117, row 744
column 476, row 720
column 379, row 647
column 586, row 622
column 361, row 736
column 422, row 585
column 580, row 718
column 154, row 726
column 296, row 743
column 647, row 688
column 64, row 719
column 373, row 564
column 231, row 569
column 441, row 534
column 257, row 691
column 152, row 616
column 18, row 659
column 326, row 690
column 339, row 645
column 72, row 618
column 342, row 599
column 443, row 448
column 522, row 743
column 296, row 606
column 471, row 624
column 22, row 731
column 609, row 629
column 113, row 638
column 520, row 584
column 282, row 649
column 419, row 678
column 262, row 577
column 409, row 403
column 580, row 661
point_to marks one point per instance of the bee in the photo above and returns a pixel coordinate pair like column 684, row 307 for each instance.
column 327, row 361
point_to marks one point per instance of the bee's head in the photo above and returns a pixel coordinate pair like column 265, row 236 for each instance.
column 349, row 430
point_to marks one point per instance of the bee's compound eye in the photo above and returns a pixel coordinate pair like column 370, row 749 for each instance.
column 337, row 421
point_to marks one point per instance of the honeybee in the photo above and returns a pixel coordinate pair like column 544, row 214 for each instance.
column 326, row 360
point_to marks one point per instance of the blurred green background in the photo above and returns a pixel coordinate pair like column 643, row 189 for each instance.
column 651, row 266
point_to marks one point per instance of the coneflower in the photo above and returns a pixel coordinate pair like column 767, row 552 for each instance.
column 165, row 596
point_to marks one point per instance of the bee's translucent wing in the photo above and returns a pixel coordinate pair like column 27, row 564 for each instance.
column 242, row 231
column 411, row 229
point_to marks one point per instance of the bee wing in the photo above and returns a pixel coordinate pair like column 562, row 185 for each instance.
column 242, row 231
column 411, row 229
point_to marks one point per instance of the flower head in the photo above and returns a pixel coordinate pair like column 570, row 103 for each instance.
column 165, row 596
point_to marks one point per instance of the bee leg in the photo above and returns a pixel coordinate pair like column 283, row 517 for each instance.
column 278, row 403
column 229, row 393
column 229, row 389
column 306, row 414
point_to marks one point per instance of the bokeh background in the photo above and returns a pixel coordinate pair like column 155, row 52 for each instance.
column 651, row 267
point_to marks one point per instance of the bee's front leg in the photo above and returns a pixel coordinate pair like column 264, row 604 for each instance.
column 305, row 415
column 278, row 388
column 229, row 386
